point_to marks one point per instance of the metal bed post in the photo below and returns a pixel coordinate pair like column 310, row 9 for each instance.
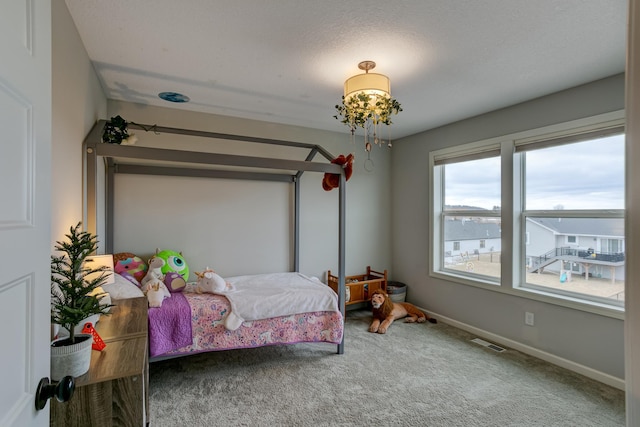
column 90, row 190
column 91, row 177
column 296, row 224
column 296, row 182
column 109, row 209
column 341, row 251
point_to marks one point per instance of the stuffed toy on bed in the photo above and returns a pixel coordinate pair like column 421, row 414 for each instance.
column 173, row 281
column 156, row 292
column 131, row 264
column 173, row 262
column 211, row 282
column 154, row 272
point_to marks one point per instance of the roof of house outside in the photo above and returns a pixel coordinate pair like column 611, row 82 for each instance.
column 610, row 227
column 456, row 229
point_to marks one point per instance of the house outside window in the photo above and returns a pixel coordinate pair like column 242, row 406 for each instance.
column 565, row 238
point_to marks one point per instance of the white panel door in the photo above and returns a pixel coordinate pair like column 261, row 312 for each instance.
column 25, row 207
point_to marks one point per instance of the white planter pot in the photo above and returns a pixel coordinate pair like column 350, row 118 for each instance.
column 63, row 332
column 71, row 360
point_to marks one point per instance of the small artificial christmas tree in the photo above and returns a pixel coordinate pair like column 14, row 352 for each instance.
column 73, row 296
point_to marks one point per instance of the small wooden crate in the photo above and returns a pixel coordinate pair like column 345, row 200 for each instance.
column 360, row 286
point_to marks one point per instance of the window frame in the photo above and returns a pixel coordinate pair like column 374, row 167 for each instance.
column 512, row 214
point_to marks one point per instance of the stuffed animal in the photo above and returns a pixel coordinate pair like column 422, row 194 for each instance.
column 386, row 311
column 156, row 293
column 209, row 281
column 174, row 282
column 332, row 180
column 126, row 262
column 173, row 261
column 154, row 272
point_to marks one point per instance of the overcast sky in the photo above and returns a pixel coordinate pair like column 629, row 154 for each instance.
column 586, row 175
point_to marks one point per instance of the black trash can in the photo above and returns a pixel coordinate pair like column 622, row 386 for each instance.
column 397, row 291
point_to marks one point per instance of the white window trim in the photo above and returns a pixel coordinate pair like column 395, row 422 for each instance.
column 512, row 275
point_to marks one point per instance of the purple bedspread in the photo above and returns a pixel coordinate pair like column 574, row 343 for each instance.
column 170, row 325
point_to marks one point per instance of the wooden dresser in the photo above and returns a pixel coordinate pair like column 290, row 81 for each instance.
column 115, row 390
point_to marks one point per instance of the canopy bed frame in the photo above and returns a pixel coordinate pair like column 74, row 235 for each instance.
column 200, row 165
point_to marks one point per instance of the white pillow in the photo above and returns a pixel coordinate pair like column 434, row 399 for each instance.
column 122, row 288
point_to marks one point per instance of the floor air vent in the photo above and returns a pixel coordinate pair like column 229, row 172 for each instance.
column 488, row 344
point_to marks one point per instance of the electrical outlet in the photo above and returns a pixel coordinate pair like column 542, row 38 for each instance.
column 528, row 318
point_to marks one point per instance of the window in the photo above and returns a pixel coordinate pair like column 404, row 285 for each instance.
column 564, row 241
column 470, row 216
column 575, row 190
column 613, row 245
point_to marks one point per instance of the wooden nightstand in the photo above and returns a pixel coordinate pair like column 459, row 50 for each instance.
column 115, row 390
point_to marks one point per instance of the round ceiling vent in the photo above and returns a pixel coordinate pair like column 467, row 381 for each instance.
column 173, row 97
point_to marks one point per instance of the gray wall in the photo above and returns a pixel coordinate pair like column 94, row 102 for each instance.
column 591, row 340
column 77, row 102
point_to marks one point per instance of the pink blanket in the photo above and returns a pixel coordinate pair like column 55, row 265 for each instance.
column 170, row 325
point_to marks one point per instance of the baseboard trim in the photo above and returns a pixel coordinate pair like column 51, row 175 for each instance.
column 532, row 351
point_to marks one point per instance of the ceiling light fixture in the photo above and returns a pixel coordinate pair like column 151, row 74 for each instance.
column 367, row 103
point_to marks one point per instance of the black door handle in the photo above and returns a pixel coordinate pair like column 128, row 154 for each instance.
column 62, row 390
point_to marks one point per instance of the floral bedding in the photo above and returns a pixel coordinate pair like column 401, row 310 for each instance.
column 209, row 311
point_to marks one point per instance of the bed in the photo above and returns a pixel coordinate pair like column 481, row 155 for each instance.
column 276, row 308
column 280, row 313
column 204, row 314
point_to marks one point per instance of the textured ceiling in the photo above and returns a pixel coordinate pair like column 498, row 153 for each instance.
column 286, row 61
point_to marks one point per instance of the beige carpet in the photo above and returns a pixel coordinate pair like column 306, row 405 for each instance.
column 415, row 375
